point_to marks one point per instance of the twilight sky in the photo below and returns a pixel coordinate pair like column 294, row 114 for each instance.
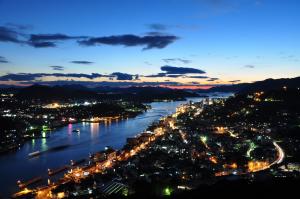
column 148, row 42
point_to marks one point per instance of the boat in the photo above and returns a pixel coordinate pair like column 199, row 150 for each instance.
column 33, row 154
column 55, row 171
column 76, row 131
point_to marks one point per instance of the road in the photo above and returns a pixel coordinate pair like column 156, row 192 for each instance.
column 281, row 155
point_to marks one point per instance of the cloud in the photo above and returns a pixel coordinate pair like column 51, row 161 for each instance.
column 195, row 83
column 149, row 41
column 13, row 33
column 42, row 44
column 9, row 35
column 57, row 67
column 198, row 77
column 180, row 70
column 157, row 26
column 81, row 62
column 249, row 66
column 156, row 33
column 49, row 40
column 52, row 37
column 157, row 75
column 234, row 81
column 3, row 60
column 174, row 72
column 170, row 60
column 213, row 79
column 34, row 76
column 124, row 76
column 163, row 27
column 175, row 76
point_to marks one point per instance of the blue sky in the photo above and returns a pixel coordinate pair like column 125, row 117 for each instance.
column 246, row 40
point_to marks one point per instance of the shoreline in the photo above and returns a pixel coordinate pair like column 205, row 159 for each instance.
column 57, row 127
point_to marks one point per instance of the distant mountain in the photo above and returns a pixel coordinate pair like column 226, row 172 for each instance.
column 133, row 89
column 266, row 85
column 144, row 94
column 55, row 93
column 65, row 92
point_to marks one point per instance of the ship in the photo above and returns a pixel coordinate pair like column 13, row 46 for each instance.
column 55, row 171
column 33, row 154
column 76, row 131
column 29, row 182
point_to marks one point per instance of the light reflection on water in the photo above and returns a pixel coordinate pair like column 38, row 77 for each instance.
column 94, row 130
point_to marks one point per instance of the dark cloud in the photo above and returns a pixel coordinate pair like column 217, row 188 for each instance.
column 249, row 66
column 157, row 26
column 163, row 27
column 156, row 33
column 81, row 62
column 57, row 67
column 13, row 33
column 181, row 70
column 195, row 83
column 49, row 40
column 157, row 75
column 170, row 60
column 45, row 44
column 234, row 81
column 213, row 79
column 124, row 76
column 198, row 77
column 20, row 77
column 149, row 41
column 174, row 72
column 52, row 37
column 34, row 76
column 8, row 34
column 175, row 76
column 3, row 60
column 166, row 75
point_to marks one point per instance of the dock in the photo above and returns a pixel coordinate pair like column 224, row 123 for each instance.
column 29, row 182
